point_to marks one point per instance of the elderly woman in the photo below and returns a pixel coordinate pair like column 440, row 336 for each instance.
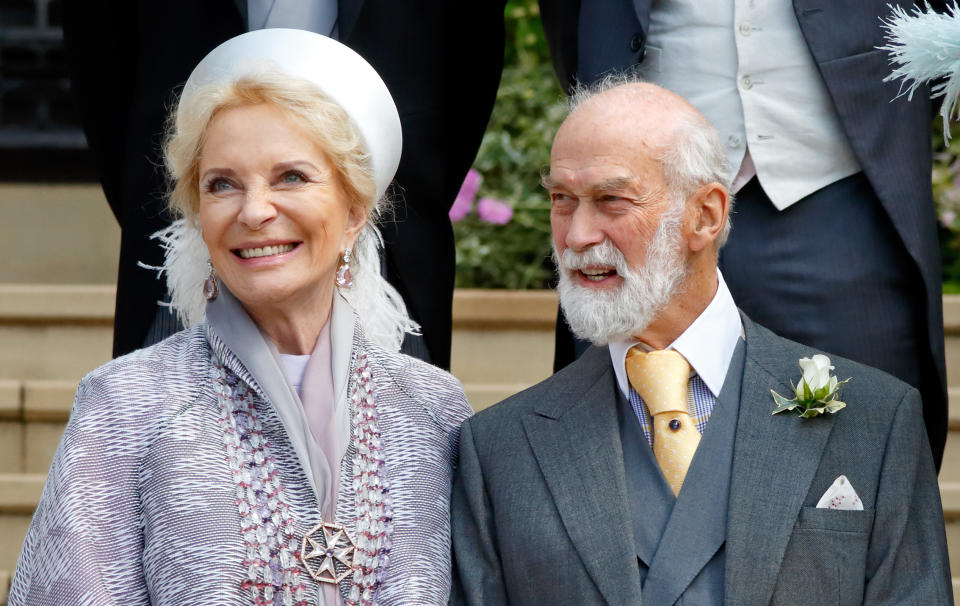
column 280, row 451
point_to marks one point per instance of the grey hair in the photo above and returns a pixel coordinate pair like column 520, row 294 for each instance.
column 694, row 157
column 581, row 93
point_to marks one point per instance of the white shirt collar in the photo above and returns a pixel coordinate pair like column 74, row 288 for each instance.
column 707, row 344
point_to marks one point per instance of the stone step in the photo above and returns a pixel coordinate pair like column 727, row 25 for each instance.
column 32, row 418
column 62, row 233
column 53, row 331
column 57, row 304
column 501, row 346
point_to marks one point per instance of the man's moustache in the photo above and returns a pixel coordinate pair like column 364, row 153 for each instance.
column 574, row 261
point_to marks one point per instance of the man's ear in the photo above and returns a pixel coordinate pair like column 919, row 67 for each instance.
column 711, row 203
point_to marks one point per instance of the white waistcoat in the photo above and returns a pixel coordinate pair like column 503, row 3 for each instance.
column 318, row 16
column 745, row 65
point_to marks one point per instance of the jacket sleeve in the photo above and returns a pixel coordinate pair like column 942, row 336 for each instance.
column 561, row 18
column 907, row 559
column 85, row 542
column 477, row 574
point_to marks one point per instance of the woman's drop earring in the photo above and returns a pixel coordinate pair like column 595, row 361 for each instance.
column 344, row 279
column 210, row 288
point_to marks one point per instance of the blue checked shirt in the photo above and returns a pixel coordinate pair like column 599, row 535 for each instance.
column 699, row 404
column 707, row 344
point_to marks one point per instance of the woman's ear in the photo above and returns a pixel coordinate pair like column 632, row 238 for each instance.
column 356, row 219
column 711, row 204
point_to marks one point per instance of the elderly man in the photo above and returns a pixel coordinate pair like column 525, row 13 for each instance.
column 830, row 162
column 651, row 471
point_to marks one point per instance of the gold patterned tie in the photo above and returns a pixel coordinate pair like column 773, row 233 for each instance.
column 661, row 377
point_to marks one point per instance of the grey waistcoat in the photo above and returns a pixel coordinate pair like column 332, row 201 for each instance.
column 680, row 540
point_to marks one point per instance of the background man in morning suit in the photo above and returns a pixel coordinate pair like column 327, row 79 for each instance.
column 651, row 470
column 128, row 57
column 836, row 244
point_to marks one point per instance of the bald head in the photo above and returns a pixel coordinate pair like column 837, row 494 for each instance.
column 634, row 111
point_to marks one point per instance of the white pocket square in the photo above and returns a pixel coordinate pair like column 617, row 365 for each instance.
column 840, row 495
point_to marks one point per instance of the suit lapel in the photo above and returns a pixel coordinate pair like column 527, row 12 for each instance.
column 576, row 440
column 774, row 461
column 348, row 11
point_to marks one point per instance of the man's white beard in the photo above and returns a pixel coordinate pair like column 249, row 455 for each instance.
column 612, row 315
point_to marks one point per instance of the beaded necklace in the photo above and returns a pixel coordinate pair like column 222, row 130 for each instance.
column 274, row 559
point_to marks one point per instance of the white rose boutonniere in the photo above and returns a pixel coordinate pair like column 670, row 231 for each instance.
column 816, row 392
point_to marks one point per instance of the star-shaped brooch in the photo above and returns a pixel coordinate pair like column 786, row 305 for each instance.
column 334, row 546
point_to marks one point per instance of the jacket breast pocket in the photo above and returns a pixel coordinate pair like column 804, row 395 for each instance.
column 840, row 520
column 825, row 560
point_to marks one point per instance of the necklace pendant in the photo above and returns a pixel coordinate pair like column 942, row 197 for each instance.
column 326, row 553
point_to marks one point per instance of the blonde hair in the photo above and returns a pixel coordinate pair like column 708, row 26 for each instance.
column 318, row 117
column 379, row 306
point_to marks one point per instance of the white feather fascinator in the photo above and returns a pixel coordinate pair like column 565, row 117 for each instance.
column 924, row 47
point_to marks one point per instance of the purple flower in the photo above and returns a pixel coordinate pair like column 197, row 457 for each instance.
column 494, row 211
column 948, row 218
column 468, row 191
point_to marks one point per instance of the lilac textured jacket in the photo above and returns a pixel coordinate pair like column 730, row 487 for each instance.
column 183, row 477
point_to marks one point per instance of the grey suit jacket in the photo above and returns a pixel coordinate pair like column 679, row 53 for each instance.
column 540, row 513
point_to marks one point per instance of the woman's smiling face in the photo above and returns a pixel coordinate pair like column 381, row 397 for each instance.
column 273, row 212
